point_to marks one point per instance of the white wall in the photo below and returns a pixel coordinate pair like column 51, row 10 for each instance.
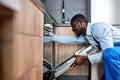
column 106, row 11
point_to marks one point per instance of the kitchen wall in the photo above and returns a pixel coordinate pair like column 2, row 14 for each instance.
column 71, row 8
column 106, row 11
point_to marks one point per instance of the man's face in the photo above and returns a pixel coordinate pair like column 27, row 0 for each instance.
column 77, row 28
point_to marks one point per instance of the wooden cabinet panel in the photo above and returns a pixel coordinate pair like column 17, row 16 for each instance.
column 21, row 39
column 19, row 18
column 65, row 31
column 63, row 51
column 38, row 49
column 47, row 53
column 34, row 74
column 27, row 53
column 29, row 19
column 38, row 22
column 28, row 41
column 39, row 71
column 6, row 52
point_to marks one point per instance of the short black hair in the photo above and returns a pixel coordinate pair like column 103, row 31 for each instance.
column 79, row 17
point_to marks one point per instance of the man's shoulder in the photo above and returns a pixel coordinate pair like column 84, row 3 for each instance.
column 100, row 25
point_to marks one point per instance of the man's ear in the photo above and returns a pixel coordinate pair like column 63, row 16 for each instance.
column 81, row 22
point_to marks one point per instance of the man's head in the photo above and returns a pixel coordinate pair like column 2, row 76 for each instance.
column 79, row 24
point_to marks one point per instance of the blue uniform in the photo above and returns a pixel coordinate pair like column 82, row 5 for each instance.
column 111, row 57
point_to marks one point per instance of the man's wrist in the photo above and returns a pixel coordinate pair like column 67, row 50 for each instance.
column 85, row 57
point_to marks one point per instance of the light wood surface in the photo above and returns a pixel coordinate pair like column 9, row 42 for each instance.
column 21, row 38
column 64, row 51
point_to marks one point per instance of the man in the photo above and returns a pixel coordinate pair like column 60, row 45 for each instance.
column 101, row 34
column 105, row 36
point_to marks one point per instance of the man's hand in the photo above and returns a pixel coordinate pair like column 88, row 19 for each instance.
column 79, row 60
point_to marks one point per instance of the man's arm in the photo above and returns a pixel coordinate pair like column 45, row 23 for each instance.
column 69, row 39
column 104, row 38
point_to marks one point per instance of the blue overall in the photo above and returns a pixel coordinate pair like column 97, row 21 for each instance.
column 111, row 58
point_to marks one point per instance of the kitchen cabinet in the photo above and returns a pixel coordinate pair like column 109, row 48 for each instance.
column 64, row 51
column 21, row 38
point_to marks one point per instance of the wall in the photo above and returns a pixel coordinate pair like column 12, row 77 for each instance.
column 55, row 8
column 21, row 38
column 108, row 12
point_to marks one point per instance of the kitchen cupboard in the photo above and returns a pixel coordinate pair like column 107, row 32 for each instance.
column 63, row 51
column 21, row 39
